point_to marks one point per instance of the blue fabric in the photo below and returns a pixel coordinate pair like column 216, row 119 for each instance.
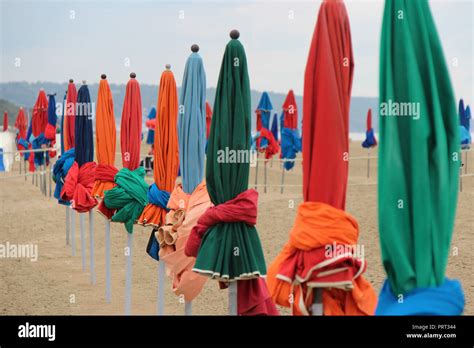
column 290, row 146
column 62, row 122
column 158, row 197
column 36, row 144
column 461, row 112
column 467, row 118
column 275, row 127
column 465, row 138
column 447, row 299
column 29, row 132
column 151, row 133
column 153, row 247
column 2, row 166
column 52, row 117
column 192, row 123
column 60, row 170
column 369, row 139
column 265, row 106
column 253, row 147
column 83, row 135
column 25, row 144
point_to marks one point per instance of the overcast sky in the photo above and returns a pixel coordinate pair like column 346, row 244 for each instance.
column 56, row 40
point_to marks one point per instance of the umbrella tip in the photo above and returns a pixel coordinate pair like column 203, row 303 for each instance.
column 133, row 75
column 71, row 80
column 84, row 82
column 103, row 76
column 195, row 48
column 168, row 66
column 234, row 34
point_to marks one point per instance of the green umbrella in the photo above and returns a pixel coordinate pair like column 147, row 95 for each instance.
column 230, row 250
column 419, row 149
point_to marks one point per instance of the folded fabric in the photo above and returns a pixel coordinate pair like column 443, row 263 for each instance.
column 272, row 147
column 50, row 132
column 370, row 140
column 60, row 170
column 104, row 181
column 465, row 137
column 446, row 299
column 37, row 143
column 290, row 146
column 129, row 197
column 78, row 187
column 311, row 259
column 185, row 210
column 158, row 197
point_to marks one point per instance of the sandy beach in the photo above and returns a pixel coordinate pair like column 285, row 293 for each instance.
column 56, row 284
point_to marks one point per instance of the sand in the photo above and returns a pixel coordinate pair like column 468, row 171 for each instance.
column 56, row 284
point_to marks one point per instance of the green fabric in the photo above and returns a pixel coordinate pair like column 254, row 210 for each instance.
column 230, row 250
column 129, row 197
column 418, row 158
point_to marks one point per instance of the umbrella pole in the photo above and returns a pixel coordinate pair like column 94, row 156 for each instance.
column 256, row 172
column 67, row 225
column 108, row 292
column 368, row 164
column 282, row 177
column 460, row 179
column 91, row 245
column 49, row 180
column 465, row 162
column 24, row 167
column 317, row 306
column 43, row 175
column 265, row 177
column 161, row 289
column 73, row 232
column 83, row 241
column 188, row 308
column 128, row 276
column 233, row 298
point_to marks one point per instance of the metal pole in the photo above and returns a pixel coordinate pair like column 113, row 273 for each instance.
column 43, row 174
column 282, row 176
column 265, row 177
column 317, row 306
column 83, row 241
column 49, row 179
column 73, row 232
column 465, row 162
column 368, row 164
column 128, row 276
column 91, row 245
column 67, row 225
column 188, row 308
column 161, row 288
column 108, row 292
column 233, row 298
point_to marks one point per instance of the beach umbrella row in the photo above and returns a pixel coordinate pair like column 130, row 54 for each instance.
column 370, row 140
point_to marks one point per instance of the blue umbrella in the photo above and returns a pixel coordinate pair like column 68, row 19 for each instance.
column 275, row 126
column 83, row 134
column 192, row 123
column 464, row 117
column 151, row 133
column 62, row 123
column 290, row 146
column 265, row 107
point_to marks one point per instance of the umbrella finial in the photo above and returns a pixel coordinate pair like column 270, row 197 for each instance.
column 133, row 75
column 84, row 82
column 168, row 66
column 103, row 76
column 234, row 34
column 195, row 48
column 71, row 81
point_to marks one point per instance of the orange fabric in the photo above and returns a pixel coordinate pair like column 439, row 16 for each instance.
column 70, row 116
column 106, row 136
column 316, row 226
column 166, row 156
column 178, row 265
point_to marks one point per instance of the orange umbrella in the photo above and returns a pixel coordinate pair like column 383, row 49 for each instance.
column 105, row 137
column 70, row 115
column 166, row 155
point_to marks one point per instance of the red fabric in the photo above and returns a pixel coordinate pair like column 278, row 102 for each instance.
column 259, row 126
column 326, row 99
column 290, row 111
column 105, row 173
column 151, row 123
column 369, row 119
column 253, row 297
column 5, row 121
column 31, row 161
column 131, row 127
column 50, row 132
column 272, row 147
column 21, row 124
column 208, row 119
column 70, row 116
column 40, row 114
column 78, row 186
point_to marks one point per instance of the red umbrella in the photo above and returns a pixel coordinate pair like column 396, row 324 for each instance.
column 40, row 114
column 290, row 111
column 21, row 124
column 70, row 116
column 5, row 121
column 208, row 119
column 131, row 126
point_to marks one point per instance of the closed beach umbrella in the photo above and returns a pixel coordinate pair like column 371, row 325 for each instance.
column 419, row 163
column 208, row 119
column 290, row 111
column 370, row 140
column 70, row 113
column 306, row 263
column 50, row 130
column 264, row 111
column 40, row 114
column 230, row 224
column 166, row 157
column 5, row 121
column 275, row 127
column 21, row 124
column 105, row 140
column 151, row 131
column 464, row 127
